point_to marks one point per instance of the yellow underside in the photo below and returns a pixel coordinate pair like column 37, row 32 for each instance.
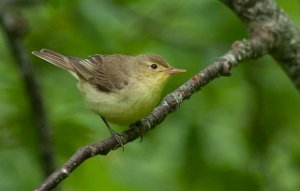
column 125, row 106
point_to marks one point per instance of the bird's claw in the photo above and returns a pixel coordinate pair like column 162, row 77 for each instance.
column 118, row 137
column 140, row 131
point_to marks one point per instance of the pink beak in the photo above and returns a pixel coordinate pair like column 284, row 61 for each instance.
column 175, row 71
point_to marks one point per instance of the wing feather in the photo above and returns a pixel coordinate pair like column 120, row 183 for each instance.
column 105, row 72
column 102, row 72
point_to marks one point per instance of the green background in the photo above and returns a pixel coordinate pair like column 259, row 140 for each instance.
column 237, row 133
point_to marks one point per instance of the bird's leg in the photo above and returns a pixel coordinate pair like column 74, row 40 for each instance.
column 113, row 133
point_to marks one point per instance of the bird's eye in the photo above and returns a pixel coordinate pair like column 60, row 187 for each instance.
column 153, row 66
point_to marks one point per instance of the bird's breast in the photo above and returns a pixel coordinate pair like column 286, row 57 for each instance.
column 124, row 106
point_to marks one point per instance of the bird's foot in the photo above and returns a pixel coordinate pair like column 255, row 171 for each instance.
column 141, row 132
column 118, row 137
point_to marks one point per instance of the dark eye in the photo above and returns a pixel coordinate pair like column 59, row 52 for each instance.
column 153, row 66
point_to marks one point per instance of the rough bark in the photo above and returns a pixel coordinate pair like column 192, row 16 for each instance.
column 265, row 20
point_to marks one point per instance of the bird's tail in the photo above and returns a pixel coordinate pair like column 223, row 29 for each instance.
column 55, row 58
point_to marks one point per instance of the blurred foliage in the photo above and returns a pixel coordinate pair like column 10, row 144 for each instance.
column 238, row 133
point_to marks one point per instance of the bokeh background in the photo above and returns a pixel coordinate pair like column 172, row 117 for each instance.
column 237, row 133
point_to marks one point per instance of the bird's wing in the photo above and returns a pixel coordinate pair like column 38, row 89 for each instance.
column 105, row 72
column 102, row 71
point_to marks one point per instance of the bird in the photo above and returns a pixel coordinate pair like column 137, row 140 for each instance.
column 121, row 89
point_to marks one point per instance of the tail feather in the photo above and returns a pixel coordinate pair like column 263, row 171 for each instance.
column 55, row 58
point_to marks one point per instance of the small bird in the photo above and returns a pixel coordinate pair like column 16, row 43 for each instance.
column 121, row 89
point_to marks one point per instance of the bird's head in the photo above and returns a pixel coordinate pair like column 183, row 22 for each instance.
column 154, row 69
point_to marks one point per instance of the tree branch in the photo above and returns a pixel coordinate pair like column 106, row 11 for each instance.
column 270, row 32
column 14, row 28
column 263, row 18
column 240, row 51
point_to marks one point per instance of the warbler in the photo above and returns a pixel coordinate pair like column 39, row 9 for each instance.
column 121, row 89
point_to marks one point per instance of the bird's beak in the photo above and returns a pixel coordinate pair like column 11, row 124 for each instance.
column 175, row 71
